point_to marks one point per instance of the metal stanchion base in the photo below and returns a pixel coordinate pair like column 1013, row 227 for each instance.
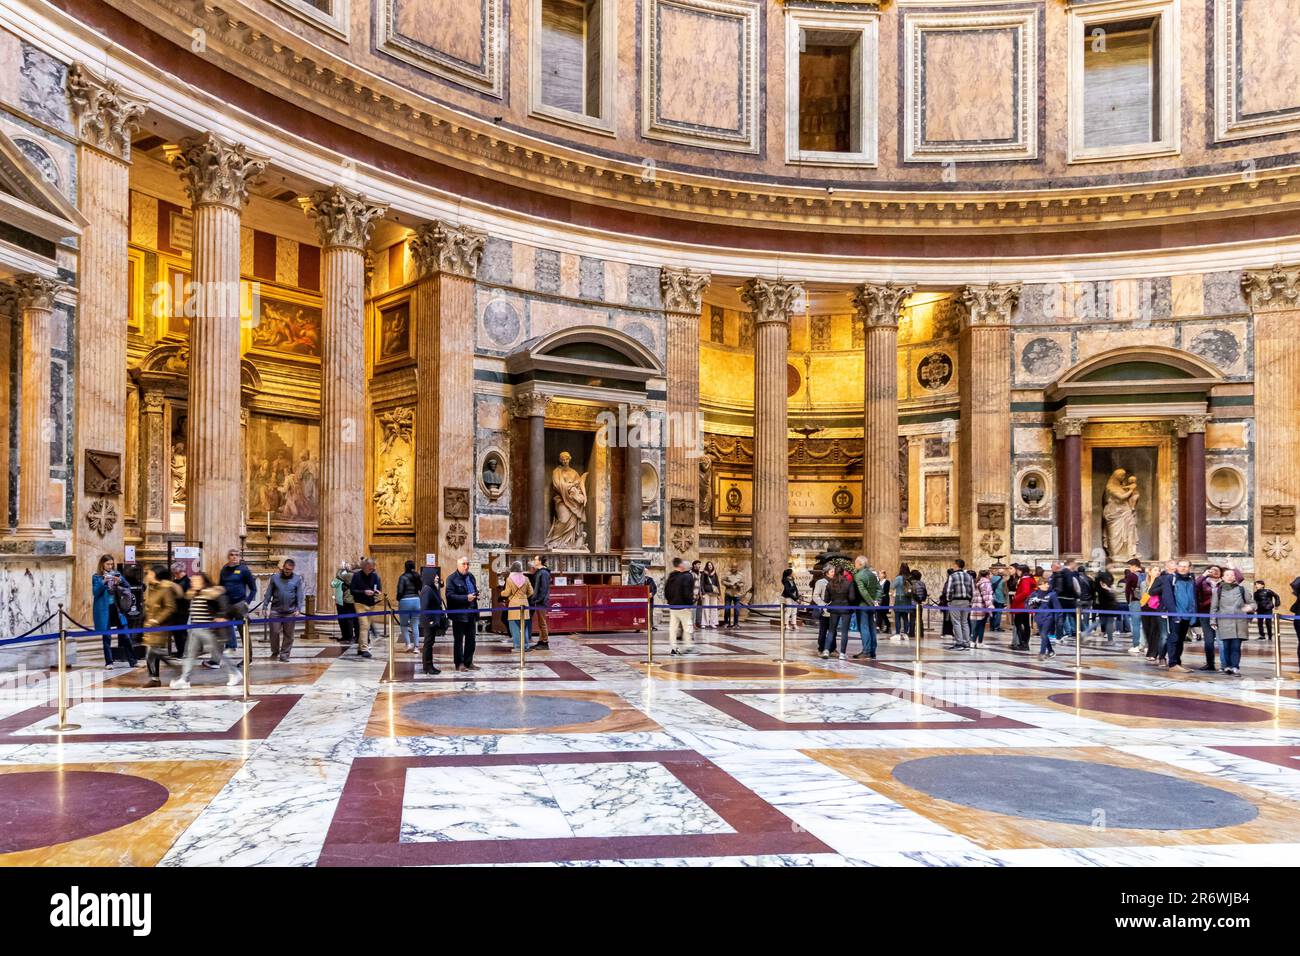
column 56, row 729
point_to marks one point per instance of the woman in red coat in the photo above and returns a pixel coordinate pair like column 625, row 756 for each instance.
column 1025, row 585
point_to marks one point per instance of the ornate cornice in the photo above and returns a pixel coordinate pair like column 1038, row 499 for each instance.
column 215, row 172
column 243, row 41
column 1279, row 288
column 530, row 405
column 105, row 114
column 770, row 299
column 879, row 305
column 991, row 304
column 682, row 289
column 343, row 219
column 445, row 247
column 33, row 292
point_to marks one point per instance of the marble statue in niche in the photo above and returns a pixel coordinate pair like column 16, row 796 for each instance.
column 1119, row 516
column 178, row 471
column 569, row 523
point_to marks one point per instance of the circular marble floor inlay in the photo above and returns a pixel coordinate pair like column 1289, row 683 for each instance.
column 734, row 669
column 1075, row 791
column 504, row 711
column 44, row 807
column 1161, row 706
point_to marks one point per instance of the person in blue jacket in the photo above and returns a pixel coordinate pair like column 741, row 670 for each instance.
column 1046, row 607
column 105, row 586
column 1185, row 607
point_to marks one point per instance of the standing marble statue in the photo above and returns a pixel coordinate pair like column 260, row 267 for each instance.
column 569, row 526
column 1119, row 533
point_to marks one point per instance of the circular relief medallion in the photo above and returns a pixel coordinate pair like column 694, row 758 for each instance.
column 501, row 322
column 934, row 371
column 1042, row 358
column 793, row 379
column 1217, row 346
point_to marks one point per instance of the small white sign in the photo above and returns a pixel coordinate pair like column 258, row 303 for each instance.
column 185, row 552
column 128, row 554
column 561, row 582
column 430, row 560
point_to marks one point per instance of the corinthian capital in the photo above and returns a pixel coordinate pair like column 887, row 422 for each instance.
column 1279, row 288
column 878, row 305
column 444, row 247
column 35, row 292
column 105, row 114
column 682, row 289
column 343, row 219
column 991, row 304
column 1064, row 427
column 216, row 172
column 529, row 405
column 770, row 299
column 1190, row 425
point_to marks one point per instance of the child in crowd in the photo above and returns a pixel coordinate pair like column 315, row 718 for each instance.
column 1046, row 608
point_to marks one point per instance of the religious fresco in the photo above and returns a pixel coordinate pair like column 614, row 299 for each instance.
column 283, row 470
column 393, row 339
column 394, row 462
column 282, row 321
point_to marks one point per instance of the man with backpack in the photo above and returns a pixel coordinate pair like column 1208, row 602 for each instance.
column 1064, row 582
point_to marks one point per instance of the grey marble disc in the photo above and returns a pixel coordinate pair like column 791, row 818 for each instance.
column 504, row 711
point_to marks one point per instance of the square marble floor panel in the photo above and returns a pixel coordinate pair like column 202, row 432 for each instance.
column 533, row 808
column 121, row 719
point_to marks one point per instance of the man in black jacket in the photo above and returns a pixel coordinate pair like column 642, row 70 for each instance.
column 1066, row 586
column 679, row 592
column 540, row 599
column 367, row 591
column 432, row 625
column 462, row 595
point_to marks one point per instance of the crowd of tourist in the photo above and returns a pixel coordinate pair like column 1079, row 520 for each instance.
column 1160, row 609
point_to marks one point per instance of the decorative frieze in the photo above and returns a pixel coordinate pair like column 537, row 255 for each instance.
column 215, row 172
column 682, row 289
column 105, row 114
column 444, row 247
column 343, row 219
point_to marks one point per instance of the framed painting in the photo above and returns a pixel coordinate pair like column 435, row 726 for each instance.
column 282, row 322
column 283, row 472
column 393, row 337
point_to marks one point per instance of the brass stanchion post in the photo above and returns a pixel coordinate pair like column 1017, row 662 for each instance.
column 248, row 656
column 917, row 628
column 523, row 641
column 1277, row 645
column 650, row 632
column 1078, row 638
column 63, row 724
column 781, row 611
column 391, row 677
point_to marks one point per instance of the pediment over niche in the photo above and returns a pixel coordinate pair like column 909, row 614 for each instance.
column 30, row 202
column 1136, row 371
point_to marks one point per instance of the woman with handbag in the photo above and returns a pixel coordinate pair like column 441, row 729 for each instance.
column 111, row 603
column 516, row 593
column 1152, row 620
column 1230, row 600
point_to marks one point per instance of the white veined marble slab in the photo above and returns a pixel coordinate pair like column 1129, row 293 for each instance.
column 148, row 717
column 799, row 708
column 551, row 801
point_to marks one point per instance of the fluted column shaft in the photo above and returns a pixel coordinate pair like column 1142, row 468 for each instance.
column 878, row 307
column 682, row 293
column 984, row 434
column 771, row 302
column 343, row 411
column 446, row 258
column 36, row 307
column 1274, row 298
column 213, row 494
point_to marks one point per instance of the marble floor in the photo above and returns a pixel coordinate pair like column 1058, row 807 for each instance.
column 591, row 756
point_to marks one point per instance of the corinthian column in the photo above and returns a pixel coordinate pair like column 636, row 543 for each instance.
column 984, row 436
column 682, row 294
column 771, row 301
column 1274, row 298
column 344, row 221
column 216, row 175
column 446, row 260
column 105, row 117
column 34, row 299
column 878, row 307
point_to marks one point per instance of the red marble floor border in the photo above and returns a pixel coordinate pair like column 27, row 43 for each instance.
column 725, row 701
column 1042, row 672
column 366, row 829
column 1288, row 757
column 563, row 671
column 257, row 724
column 728, row 650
